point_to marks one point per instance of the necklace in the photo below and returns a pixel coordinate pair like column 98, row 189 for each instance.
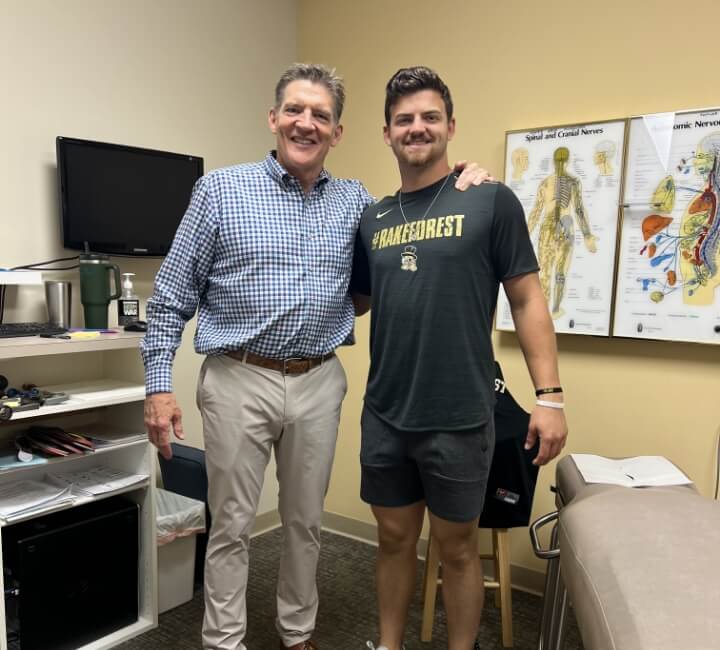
column 408, row 258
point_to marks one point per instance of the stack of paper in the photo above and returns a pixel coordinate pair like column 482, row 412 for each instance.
column 28, row 497
column 103, row 435
column 98, row 480
column 640, row 471
column 110, row 438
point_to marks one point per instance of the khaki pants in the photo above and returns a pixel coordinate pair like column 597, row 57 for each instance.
column 246, row 412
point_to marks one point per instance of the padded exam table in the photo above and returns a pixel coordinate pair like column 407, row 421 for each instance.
column 641, row 566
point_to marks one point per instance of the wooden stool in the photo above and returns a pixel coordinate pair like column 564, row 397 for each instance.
column 503, row 596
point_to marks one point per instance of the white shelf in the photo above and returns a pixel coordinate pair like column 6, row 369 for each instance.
column 77, row 501
column 87, row 395
column 35, row 346
column 53, row 463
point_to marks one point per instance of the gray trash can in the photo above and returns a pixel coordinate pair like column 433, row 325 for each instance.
column 178, row 520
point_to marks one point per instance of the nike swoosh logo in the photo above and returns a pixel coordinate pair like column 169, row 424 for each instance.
column 380, row 215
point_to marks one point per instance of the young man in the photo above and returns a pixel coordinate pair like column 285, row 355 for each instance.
column 431, row 260
column 263, row 255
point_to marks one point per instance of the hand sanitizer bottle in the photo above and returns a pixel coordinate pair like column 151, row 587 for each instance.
column 128, row 303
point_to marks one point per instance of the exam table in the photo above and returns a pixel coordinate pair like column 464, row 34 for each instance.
column 641, row 566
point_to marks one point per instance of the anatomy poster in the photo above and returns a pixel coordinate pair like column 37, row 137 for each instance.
column 668, row 272
column 568, row 179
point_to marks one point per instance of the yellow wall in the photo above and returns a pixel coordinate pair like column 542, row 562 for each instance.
column 512, row 65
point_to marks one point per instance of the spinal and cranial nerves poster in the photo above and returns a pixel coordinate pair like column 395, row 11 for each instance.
column 568, row 181
column 668, row 275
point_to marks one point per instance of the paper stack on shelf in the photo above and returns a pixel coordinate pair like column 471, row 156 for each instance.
column 28, row 497
column 97, row 480
column 104, row 435
column 110, row 438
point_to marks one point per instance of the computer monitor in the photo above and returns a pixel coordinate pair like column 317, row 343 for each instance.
column 122, row 200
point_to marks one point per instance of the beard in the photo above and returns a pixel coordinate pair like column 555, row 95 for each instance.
column 421, row 158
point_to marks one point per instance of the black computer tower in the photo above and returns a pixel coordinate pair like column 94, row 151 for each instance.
column 76, row 572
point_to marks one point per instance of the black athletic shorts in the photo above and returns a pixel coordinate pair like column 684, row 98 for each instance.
column 449, row 470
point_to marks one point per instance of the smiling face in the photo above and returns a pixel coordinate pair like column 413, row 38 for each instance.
column 305, row 128
column 419, row 130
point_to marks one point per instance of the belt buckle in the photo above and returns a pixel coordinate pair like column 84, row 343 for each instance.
column 286, row 361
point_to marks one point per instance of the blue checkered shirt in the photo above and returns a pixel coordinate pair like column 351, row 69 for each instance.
column 265, row 266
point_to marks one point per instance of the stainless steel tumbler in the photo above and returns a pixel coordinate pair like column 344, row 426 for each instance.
column 58, row 298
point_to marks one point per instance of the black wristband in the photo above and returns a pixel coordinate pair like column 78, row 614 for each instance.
column 547, row 391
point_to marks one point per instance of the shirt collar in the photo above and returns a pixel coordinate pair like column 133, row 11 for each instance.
column 280, row 175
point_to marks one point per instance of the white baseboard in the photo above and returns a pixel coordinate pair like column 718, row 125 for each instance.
column 353, row 528
column 522, row 578
column 265, row 522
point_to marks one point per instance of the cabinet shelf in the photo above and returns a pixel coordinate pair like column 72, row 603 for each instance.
column 35, row 346
column 87, row 395
column 21, row 471
column 78, row 501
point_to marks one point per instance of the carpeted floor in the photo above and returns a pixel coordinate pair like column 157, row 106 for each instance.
column 347, row 615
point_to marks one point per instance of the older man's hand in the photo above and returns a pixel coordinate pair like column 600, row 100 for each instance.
column 161, row 414
column 470, row 174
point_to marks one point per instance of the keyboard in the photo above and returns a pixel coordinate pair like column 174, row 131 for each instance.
column 8, row 330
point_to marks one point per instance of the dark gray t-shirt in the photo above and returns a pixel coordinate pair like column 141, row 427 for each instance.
column 431, row 358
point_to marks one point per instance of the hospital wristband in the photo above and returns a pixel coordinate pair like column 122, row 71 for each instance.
column 550, row 405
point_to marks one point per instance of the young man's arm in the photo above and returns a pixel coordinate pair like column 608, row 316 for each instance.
column 537, row 339
column 361, row 303
column 360, row 278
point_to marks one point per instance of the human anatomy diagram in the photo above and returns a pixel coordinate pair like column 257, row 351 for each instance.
column 568, row 180
column 669, row 254
column 558, row 205
column 688, row 254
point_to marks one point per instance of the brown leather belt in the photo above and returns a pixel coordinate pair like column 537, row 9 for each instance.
column 292, row 366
